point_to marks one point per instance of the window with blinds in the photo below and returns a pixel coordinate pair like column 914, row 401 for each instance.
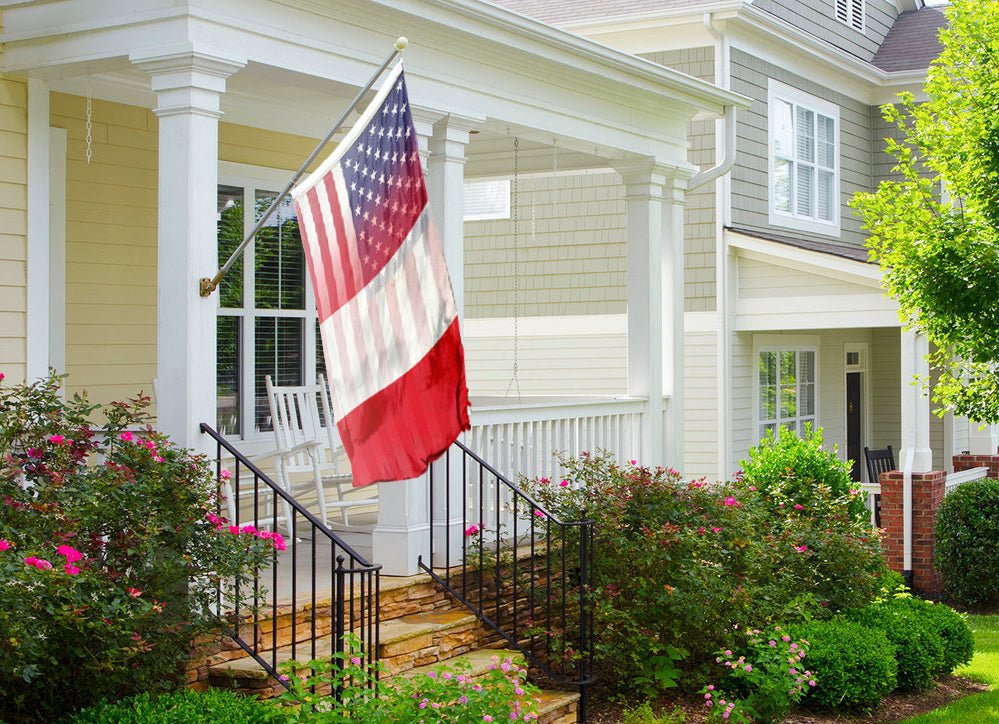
column 266, row 319
column 485, row 200
column 851, row 12
column 804, row 161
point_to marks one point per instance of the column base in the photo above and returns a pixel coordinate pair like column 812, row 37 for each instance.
column 398, row 550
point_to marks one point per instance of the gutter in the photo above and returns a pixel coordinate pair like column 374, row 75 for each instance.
column 728, row 159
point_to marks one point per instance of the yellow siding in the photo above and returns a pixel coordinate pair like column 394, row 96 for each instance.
column 110, row 248
column 256, row 147
column 700, row 418
column 14, row 223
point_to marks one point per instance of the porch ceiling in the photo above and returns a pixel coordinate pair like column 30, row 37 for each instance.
column 304, row 60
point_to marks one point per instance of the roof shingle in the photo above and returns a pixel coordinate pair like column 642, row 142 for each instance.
column 912, row 42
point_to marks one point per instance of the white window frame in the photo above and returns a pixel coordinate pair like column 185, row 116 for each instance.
column 793, row 220
column 496, row 211
column 783, row 343
column 252, row 179
column 852, row 13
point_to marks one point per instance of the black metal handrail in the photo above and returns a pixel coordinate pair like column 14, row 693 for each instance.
column 352, row 605
column 519, row 568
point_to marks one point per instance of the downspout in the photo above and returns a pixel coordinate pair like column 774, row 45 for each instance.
column 725, row 138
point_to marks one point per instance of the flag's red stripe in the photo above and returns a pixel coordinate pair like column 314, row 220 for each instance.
column 324, row 305
column 397, row 432
column 352, row 283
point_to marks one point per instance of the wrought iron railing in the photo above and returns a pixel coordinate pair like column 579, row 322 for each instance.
column 520, row 569
column 315, row 591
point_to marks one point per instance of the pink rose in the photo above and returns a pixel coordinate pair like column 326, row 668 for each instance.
column 71, row 569
column 472, row 529
column 71, row 554
column 133, row 592
column 4, row 545
column 126, row 436
column 564, row 484
column 56, row 439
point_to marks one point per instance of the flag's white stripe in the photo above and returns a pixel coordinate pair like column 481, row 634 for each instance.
column 357, row 384
column 368, row 357
column 326, row 214
column 348, row 226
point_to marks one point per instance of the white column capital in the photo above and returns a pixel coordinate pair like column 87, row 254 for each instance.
column 648, row 178
column 186, row 81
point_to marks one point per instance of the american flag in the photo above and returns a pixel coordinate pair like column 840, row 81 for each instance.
column 383, row 295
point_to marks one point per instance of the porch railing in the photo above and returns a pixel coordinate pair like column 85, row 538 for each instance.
column 520, row 569
column 317, row 571
column 522, row 439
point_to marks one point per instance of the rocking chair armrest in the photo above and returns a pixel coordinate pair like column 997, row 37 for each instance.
column 307, row 446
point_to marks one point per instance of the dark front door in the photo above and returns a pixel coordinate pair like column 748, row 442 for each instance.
column 853, row 432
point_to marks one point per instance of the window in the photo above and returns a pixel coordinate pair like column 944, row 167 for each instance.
column 804, row 161
column 786, row 389
column 266, row 318
column 485, row 200
column 851, row 12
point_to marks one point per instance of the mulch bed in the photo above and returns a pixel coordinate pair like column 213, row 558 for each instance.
column 895, row 707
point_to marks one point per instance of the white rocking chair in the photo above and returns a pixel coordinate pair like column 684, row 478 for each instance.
column 307, row 446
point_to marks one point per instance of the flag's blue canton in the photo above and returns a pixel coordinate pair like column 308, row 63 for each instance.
column 384, row 181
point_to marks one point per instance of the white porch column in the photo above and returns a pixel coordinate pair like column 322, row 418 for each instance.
column 983, row 440
column 447, row 201
column 655, row 195
column 915, row 454
column 188, row 86
column 38, row 354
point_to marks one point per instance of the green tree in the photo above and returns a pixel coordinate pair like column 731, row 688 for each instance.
column 935, row 227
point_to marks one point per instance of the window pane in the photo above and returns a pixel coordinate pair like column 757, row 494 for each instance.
column 805, row 190
column 278, row 348
column 783, row 172
column 827, row 142
column 320, row 356
column 805, row 134
column 806, row 400
column 825, row 196
column 227, row 376
column 768, row 403
column 806, row 366
column 768, row 368
column 279, row 258
column 230, row 234
column 788, row 401
column 783, row 125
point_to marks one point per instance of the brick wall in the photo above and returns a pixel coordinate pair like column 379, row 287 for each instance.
column 966, row 462
column 927, row 493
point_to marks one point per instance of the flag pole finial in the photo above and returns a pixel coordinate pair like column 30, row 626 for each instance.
column 401, row 42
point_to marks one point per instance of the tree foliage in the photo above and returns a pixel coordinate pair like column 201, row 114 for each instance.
column 935, row 227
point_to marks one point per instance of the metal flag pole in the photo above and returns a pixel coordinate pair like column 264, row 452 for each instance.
column 206, row 285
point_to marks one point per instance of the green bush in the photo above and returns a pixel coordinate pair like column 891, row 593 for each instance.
column 788, row 470
column 214, row 706
column 854, row 665
column 953, row 630
column 967, row 543
column 110, row 553
column 919, row 647
column 680, row 566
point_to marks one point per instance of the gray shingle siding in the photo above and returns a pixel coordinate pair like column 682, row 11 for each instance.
column 818, row 18
column 700, row 211
column 750, row 188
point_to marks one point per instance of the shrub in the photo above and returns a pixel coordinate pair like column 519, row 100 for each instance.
column 788, row 470
column 447, row 694
column 967, row 543
column 110, row 553
column 764, row 682
column 855, row 665
column 214, row 706
column 953, row 630
column 919, row 648
column 702, row 558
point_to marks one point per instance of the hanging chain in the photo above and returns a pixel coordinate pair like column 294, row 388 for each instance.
column 90, row 123
column 514, row 380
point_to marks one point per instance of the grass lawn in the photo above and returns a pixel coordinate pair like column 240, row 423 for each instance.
column 984, row 668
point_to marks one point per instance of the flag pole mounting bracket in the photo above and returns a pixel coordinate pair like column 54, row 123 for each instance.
column 208, row 285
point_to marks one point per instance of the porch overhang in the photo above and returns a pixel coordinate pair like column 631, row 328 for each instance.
column 781, row 285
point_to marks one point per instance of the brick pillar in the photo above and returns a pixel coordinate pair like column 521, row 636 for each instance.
column 966, row 462
column 927, row 493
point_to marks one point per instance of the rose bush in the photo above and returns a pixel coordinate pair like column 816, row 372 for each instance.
column 112, row 553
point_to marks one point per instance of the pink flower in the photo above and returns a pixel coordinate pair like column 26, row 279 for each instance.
column 71, row 569
column 486, row 717
column 632, row 462
column 539, row 513
column 248, row 529
column 355, row 660
column 278, row 541
column 42, row 564
column 730, row 501
column 70, row 553
column 801, row 549
column 126, row 436
column 2, row 375
column 56, row 439
column 34, row 452
column 30, row 560
column 752, row 488
column 225, row 474
column 472, row 529
column 544, row 480
column 157, row 458
column 234, row 529
column 563, row 484
column 749, row 667
column 133, row 592
column 264, row 534
column 799, row 506
column 4, row 545
column 715, row 529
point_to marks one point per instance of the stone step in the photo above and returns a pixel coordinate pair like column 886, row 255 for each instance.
column 404, row 643
column 480, row 661
column 558, row 707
